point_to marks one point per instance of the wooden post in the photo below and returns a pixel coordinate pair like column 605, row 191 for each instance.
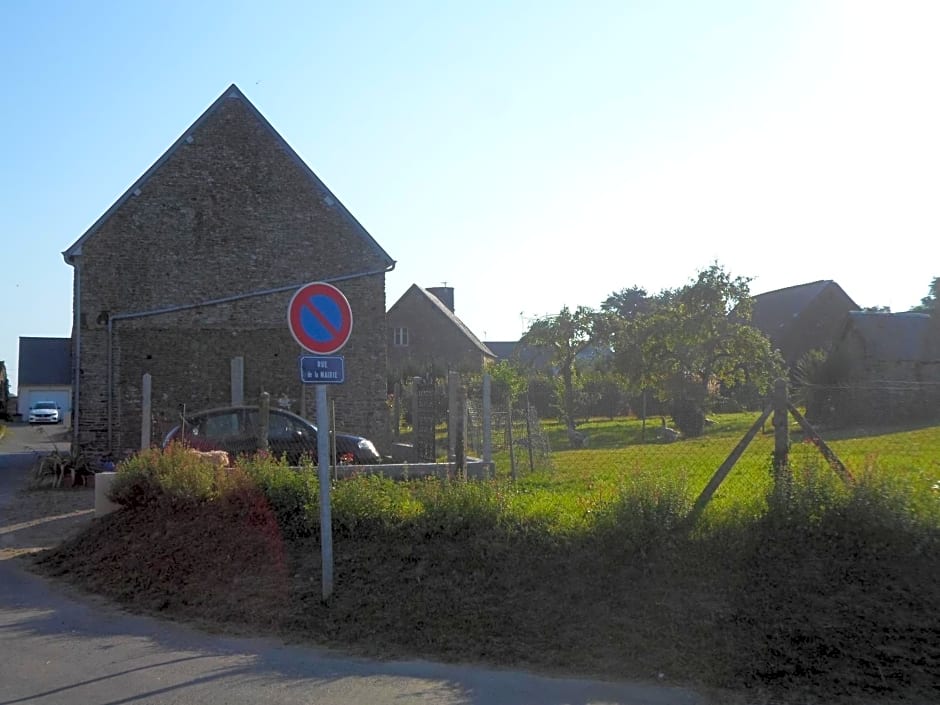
column 528, row 430
column 512, row 450
column 264, row 420
column 726, row 466
column 826, row 451
column 781, row 432
column 146, row 418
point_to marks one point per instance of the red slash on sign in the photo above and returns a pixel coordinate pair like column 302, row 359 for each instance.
column 320, row 318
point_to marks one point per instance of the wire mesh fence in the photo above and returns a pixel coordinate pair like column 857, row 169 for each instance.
column 900, row 438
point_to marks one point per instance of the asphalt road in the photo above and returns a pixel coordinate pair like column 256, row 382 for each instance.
column 57, row 646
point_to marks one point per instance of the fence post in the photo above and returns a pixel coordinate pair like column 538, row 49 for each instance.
column 146, row 420
column 487, row 431
column 453, row 381
column 512, row 450
column 460, row 449
column 528, row 429
column 781, row 433
column 264, row 414
column 396, row 413
column 237, row 374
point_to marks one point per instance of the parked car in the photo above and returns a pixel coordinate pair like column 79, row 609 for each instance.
column 45, row 412
column 235, row 429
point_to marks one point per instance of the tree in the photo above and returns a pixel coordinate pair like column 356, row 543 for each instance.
column 564, row 335
column 694, row 338
column 931, row 302
column 628, row 304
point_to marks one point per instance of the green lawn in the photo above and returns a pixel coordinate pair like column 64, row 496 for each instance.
column 616, row 451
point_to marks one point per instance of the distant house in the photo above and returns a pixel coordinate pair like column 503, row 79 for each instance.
column 425, row 337
column 45, row 373
column 885, row 367
column 539, row 358
column 801, row 318
column 188, row 276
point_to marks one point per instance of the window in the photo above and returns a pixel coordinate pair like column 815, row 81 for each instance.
column 401, row 337
column 218, row 425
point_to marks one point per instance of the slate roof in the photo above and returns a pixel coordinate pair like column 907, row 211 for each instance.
column 896, row 337
column 415, row 290
column 231, row 93
column 45, row 362
column 536, row 356
column 773, row 310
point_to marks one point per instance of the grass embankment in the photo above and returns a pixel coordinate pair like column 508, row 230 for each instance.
column 826, row 595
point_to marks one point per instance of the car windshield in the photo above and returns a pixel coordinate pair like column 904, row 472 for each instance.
column 44, row 405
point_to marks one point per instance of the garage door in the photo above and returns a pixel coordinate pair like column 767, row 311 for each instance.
column 62, row 397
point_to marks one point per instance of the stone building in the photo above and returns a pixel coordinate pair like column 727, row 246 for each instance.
column 189, row 274
column 801, row 318
column 427, row 339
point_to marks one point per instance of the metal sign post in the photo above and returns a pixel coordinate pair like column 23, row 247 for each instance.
column 323, row 474
column 320, row 319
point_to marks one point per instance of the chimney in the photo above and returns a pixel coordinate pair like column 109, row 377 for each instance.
column 445, row 294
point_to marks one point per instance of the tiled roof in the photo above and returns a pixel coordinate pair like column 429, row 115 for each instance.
column 773, row 310
column 415, row 290
column 894, row 336
column 45, row 361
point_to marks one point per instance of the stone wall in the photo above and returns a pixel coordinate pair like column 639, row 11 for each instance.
column 435, row 343
column 230, row 212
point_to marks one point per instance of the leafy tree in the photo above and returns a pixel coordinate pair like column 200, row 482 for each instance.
column 508, row 382
column 564, row 335
column 628, row 304
column 929, row 304
column 694, row 338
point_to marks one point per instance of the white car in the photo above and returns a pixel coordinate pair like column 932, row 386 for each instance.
column 45, row 412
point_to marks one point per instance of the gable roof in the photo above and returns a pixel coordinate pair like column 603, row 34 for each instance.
column 894, row 336
column 773, row 310
column 45, row 361
column 231, row 93
column 416, row 291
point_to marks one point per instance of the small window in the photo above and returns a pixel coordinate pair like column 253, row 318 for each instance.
column 401, row 337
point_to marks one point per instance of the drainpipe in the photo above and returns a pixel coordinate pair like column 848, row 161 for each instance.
column 201, row 304
column 77, row 353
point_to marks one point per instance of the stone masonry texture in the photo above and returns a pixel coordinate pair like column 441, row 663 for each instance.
column 229, row 212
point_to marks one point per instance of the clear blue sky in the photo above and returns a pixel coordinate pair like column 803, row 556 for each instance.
column 530, row 154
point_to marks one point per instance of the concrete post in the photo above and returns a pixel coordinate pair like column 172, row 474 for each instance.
column 487, row 425
column 146, row 416
column 453, row 415
column 264, row 420
column 238, row 380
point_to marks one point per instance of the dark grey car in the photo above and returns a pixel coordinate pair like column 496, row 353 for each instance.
column 236, row 430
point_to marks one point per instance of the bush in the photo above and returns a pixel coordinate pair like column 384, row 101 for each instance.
column 292, row 494
column 646, row 510
column 839, row 592
column 173, row 475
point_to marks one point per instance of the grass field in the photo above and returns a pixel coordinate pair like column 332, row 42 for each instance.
column 616, row 450
column 825, row 594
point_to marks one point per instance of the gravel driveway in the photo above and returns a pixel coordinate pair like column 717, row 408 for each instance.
column 31, row 520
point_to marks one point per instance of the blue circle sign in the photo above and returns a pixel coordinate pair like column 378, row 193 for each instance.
column 320, row 318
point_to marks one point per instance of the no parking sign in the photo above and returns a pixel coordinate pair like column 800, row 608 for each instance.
column 320, row 318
